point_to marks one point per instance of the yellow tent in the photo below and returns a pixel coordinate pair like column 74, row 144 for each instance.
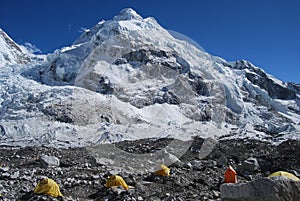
column 284, row 174
column 116, row 180
column 164, row 171
column 49, row 187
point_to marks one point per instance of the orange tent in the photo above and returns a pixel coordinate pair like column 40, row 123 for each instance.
column 230, row 175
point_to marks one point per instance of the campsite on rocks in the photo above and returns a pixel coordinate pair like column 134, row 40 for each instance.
column 81, row 175
column 128, row 96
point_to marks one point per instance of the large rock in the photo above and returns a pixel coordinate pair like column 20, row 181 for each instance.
column 248, row 166
column 263, row 189
column 49, row 161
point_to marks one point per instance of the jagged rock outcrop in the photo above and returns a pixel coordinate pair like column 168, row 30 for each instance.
column 274, row 90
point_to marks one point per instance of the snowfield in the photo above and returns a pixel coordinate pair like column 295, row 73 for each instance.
column 128, row 78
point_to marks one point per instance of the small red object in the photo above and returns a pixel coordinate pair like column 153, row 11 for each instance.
column 230, row 175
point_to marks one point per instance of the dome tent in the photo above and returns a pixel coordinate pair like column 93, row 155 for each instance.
column 49, row 187
column 116, row 180
column 164, row 171
column 284, row 174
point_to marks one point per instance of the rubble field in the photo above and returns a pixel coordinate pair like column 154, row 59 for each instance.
column 82, row 176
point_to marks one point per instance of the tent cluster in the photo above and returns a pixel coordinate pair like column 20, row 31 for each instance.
column 116, row 180
column 230, row 175
column 49, row 187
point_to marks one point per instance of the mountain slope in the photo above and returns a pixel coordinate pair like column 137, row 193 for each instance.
column 128, row 78
column 10, row 52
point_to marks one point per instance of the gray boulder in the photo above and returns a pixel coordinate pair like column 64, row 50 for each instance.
column 263, row 189
column 49, row 161
column 248, row 166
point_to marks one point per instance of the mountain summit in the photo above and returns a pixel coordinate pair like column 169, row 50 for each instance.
column 129, row 78
column 127, row 14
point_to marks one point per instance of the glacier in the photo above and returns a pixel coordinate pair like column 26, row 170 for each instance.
column 128, row 78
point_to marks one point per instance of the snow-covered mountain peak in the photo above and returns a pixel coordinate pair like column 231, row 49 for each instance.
column 128, row 78
column 126, row 20
column 127, row 14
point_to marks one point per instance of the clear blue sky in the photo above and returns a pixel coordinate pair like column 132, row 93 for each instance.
column 265, row 32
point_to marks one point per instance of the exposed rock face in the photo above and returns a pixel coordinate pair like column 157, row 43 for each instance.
column 273, row 89
column 263, row 189
column 260, row 78
column 157, row 57
column 295, row 87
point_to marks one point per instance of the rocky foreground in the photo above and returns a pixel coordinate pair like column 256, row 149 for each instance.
column 81, row 175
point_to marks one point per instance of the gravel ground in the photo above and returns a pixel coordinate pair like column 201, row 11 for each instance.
column 196, row 176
